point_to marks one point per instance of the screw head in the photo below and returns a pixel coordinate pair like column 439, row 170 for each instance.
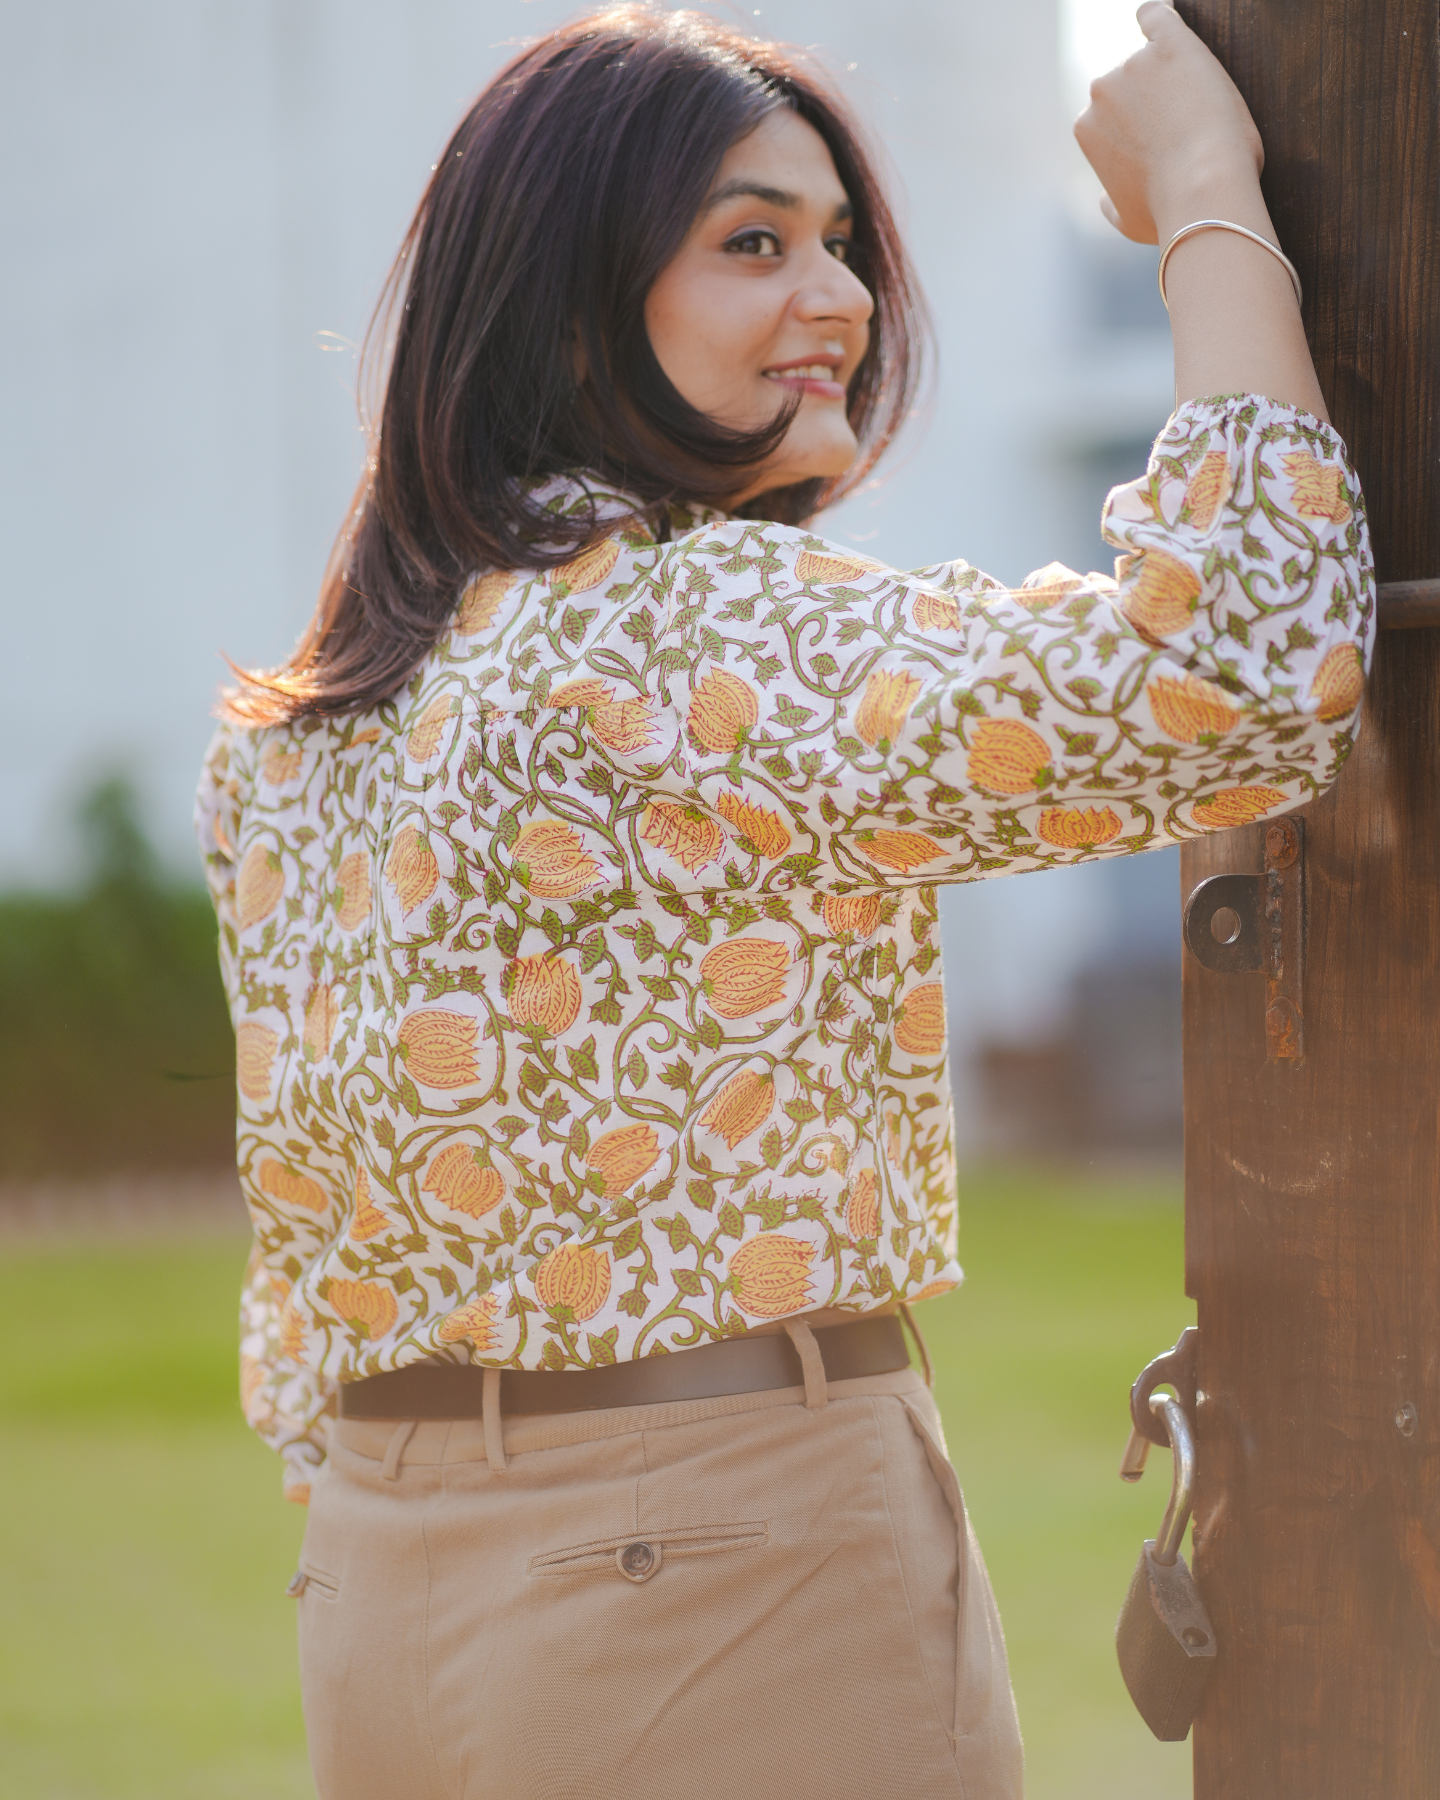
column 1406, row 1419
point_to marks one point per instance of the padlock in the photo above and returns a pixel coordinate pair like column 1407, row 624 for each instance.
column 1164, row 1638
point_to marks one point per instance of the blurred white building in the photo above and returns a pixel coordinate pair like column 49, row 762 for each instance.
column 200, row 200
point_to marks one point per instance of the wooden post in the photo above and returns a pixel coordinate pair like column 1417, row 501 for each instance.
column 1313, row 1185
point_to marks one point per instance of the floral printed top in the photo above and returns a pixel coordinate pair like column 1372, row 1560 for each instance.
column 587, row 992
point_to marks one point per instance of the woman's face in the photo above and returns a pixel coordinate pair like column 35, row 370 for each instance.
column 758, row 303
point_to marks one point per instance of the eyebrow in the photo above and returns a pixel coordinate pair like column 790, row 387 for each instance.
column 777, row 197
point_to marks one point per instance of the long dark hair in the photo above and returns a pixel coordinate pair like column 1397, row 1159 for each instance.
column 569, row 185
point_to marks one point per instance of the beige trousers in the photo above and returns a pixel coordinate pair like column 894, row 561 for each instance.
column 745, row 1598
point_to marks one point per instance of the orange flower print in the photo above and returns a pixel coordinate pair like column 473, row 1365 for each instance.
column 321, row 1017
column 255, row 1047
column 457, row 1180
column 288, row 1185
column 411, row 869
column 745, row 976
column 858, row 913
column 621, row 1157
column 352, row 890
column 762, row 827
column 1007, row 757
column 722, row 709
column 280, row 766
column 575, row 1277
column 812, row 565
column 474, row 1322
column 920, row 1022
column 1187, row 708
column 933, row 1289
column 1208, row 489
column 742, row 1106
column 481, row 601
column 370, row 735
column 364, row 1305
column 625, row 727
column 1339, row 683
column 292, row 1333
column 934, row 612
column 367, row 1221
column 1046, row 587
column 1078, row 828
column 1236, row 806
column 1319, row 491
column 771, row 1275
column 439, row 1049
column 889, row 695
column 1160, row 600
column 258, row 886
column 691, row 838
column 550, row 859
column 902, row 850
column 862, row 1211
column 429, row 728
column 588, row 569
column 589, row 690
column 543, row 991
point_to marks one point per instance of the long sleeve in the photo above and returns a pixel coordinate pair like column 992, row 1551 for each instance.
column 938, row 726
column 284, row 1403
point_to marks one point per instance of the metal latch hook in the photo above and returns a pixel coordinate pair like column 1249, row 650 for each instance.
column 1182, row 1479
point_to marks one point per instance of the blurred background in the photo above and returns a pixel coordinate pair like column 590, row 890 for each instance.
column 200, row 200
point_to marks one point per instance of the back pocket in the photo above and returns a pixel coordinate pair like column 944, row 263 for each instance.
column 639, row 1555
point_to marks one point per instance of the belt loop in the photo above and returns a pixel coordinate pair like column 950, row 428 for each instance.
column 395, row 1449
column 817, row 1392
column 914, row 1330
column 494, row 1429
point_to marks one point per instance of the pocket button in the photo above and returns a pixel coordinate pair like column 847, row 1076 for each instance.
column 638, row 1561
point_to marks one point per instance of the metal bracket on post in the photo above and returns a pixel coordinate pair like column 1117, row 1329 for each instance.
column 1255, row 924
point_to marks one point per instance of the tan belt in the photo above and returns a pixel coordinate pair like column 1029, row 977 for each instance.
column 747, row 1365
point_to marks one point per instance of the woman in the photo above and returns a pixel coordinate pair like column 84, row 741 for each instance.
column 576, row 879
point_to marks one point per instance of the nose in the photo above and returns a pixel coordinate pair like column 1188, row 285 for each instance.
column 829, row 289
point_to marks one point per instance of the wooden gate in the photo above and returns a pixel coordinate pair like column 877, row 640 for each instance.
column 1313, row 1180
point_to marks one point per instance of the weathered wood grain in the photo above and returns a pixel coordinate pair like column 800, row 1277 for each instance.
column 1313, row 1189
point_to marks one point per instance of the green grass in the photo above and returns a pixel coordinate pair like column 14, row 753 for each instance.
column 146, row 1648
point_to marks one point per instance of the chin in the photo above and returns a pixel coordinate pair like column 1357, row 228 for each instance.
column 818, row 462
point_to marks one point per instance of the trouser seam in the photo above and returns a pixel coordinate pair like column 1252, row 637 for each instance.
column 438, row 1766
column 956, row 1501
column 947, row 1729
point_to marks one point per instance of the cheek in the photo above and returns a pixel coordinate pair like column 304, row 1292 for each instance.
column 709, row 335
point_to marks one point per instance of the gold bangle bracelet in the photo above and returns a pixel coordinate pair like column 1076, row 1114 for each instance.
column 1242, row 231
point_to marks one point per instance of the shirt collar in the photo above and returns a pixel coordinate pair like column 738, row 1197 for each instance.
column 581, row 493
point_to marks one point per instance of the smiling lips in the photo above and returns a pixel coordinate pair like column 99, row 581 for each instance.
column 810, row 377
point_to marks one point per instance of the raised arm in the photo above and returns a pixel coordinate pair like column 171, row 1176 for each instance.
column 1173, row 142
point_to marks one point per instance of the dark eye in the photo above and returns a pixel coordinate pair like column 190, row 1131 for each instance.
column 841, row 248
column 754, row 243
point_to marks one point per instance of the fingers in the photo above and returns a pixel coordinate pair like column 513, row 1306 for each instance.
column 1156, row 17
column 1107, row 206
